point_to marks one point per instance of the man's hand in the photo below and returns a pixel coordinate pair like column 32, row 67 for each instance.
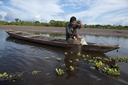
column 79, row 23
column 76, row 35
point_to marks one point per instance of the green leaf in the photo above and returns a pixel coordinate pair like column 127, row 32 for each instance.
column 1, row 75
column 79, row 54
column 10, row 76
column 65, row 53
column 4, row 73
column 14, row 80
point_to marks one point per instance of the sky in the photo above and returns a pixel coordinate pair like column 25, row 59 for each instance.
column 104, row 12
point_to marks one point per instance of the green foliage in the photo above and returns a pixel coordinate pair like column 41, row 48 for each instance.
column 87, row 56
column 90, row 61
column 85, row 59
column 119, row 59
column 77, row 60
column 59, row 72
column 16, row 19
column 70, row 61
column 35, row 72
column 65, row 53
column 83, row 56
column 64, row 64
column 99, row 65
column 6, row 76
column 54, row 23
column 92, row 68
column 111, row 71
column 79, row 54
column 59, row 59
column 46, row 58
column 71, row 68
column 106, row 27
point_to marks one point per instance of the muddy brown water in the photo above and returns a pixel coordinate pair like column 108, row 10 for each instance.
column 22, row 56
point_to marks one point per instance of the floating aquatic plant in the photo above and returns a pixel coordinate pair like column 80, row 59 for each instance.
column 79, row 54
column 99, row 65
column 119, row 59
column 63, row 64
column 83, row 56
column 14, row 80
column 115, row 66
column 59, row 72
column 46, row 58
column 111, row 71
column 77, row 60
column 98, row 58
column 6, row 76
column 70, row 61
column 65, row 53
column 52, row 56
column 85, row 59
column 59, row 59
column 92, row 68
column 90, row 61
column 71, row 68
column 35, row 72
column 87, row 56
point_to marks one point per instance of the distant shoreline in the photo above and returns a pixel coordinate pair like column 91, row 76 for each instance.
column 61, row 30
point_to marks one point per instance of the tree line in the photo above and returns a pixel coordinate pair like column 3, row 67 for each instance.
column 54, row 23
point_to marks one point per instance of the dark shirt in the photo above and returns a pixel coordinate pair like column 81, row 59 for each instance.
column 69, row 30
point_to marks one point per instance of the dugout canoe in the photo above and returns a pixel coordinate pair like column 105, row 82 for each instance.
column 97, row 47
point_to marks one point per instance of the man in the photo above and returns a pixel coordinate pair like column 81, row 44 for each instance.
column 71, row 28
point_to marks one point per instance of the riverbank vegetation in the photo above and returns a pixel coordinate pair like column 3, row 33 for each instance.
column 54, row 23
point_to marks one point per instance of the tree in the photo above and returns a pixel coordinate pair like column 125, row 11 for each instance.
column 52, row 22
column 16, row 19
column 37, row 22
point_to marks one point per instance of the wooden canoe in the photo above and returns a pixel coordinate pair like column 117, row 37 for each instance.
column 97, row 47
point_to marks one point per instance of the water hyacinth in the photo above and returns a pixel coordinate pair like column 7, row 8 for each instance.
column 59, row 59
column 83, row 56
column 62, row 65
column 111, row 71
column 90, row 61
column 6, row 76
column 46, row 58
column 35, row 72
column 59, row 72
column 77, row 60
column 70, row 61
column 65, row 53
column 99, row 65
column 119, row 59
column 92, row 68
column 85, row 59
column 98, row 58
column 79, row 54
column 71, row 68
column 115, row 66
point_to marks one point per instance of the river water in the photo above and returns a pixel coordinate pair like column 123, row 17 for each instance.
column 22, row 56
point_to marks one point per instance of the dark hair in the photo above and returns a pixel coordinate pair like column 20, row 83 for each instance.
column 72, row 19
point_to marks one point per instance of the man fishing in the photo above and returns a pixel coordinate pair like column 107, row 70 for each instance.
column 71, row 31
